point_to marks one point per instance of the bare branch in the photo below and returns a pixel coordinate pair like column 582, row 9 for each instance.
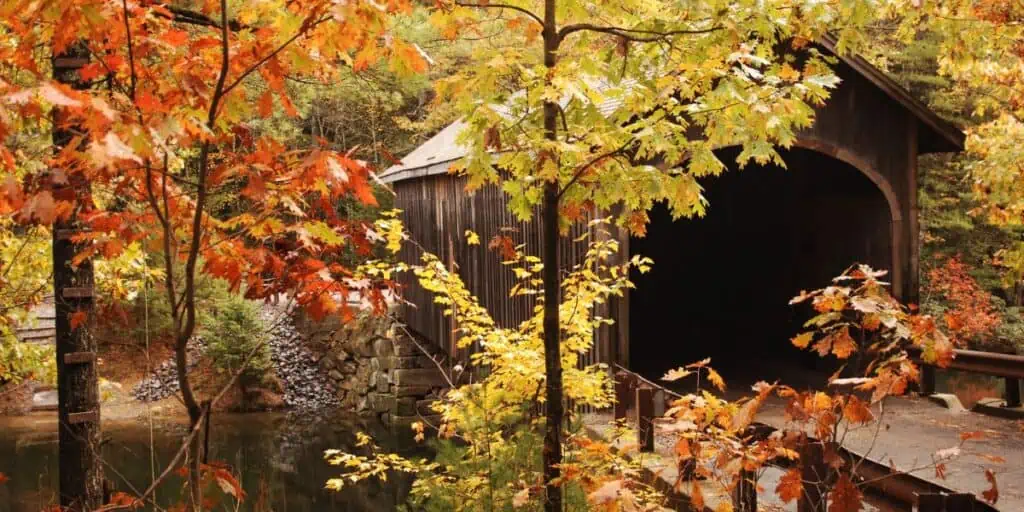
column 502, row 6
column 632, row 34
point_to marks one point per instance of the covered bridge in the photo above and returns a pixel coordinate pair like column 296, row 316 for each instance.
column 721, row 284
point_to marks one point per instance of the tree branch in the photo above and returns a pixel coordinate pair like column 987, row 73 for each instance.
column 271, row 55
column 631, row 34
column 590, row 163
column 502, row 6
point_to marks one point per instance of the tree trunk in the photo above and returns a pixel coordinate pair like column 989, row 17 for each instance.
column 552, row 330
column 78, row 410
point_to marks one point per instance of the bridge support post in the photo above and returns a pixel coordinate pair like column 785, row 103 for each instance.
column 1012, row 392
column 744, row 495
column 645, row 418
column 927, row 380
column 814, row 473
column 623, row 395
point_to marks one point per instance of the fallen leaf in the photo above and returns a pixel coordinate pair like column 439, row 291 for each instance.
column 992, row 494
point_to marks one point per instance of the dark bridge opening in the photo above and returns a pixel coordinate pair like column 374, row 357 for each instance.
column 720, row 285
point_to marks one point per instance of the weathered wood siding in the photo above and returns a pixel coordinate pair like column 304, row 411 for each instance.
column 438, row 211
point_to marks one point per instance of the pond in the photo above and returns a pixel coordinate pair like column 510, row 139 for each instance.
column 278, row 457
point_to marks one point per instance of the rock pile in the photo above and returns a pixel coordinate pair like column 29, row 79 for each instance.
column 163, row 380
column 306, row 388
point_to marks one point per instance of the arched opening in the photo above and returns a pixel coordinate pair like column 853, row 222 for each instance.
column 720, row 285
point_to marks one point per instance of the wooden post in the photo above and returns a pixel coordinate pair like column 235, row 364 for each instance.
column 927, row 380
column 813, row 472
column 81, row 476
column 645, row 418
column 1012, row 392
column 744, row 495
column 623, row 394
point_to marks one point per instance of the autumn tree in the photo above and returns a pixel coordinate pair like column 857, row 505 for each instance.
column 574, row 107
column 164, row 128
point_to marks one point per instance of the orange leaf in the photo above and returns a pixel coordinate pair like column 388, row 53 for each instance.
column 842, row 344
column 175, row 37
column 78, row 318
column 856, row 411
column 716, row 379
column 992, row 494
column 791, row 486
column 845, row 496
column 266, row 103
column 802, row 340
column 3, row 478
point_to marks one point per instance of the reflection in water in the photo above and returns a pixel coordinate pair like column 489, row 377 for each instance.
column 279, row 459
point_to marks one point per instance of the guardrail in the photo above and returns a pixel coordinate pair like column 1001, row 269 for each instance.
column 648, row 400
column 1008, row 366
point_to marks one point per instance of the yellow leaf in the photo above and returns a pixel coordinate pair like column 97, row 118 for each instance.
column 472, row 238
column 802, row 340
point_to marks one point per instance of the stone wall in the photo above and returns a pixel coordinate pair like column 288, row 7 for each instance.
column 376, row 368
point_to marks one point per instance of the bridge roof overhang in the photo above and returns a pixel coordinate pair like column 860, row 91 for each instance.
column 935, row 135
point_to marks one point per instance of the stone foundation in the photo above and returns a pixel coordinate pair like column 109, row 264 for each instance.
column 376, row 368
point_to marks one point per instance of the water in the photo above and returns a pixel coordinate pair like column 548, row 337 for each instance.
column 279, row 461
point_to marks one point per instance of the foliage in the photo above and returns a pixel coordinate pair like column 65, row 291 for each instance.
column 236, row 338
column 20, row 361
column 24, row 282
column 970, row 314
column 492, row 420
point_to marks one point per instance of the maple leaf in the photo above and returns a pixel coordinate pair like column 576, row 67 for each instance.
column 716, row 379
column 3, row 478
column 266, row 103
column 675, row 374
column 845, row 496
column 175, row 38
column 991, row 495
column 472, row 238
column 802, row 340
column 842, row 344
column 856, row 411
column 790, row 486
column 78, row 318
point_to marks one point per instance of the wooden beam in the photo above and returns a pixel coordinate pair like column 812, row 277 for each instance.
column 77, row 292
column 75, row 418
column 79, row 357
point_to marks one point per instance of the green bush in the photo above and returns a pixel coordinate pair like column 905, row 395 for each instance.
column 19, row 361
column 232, row 332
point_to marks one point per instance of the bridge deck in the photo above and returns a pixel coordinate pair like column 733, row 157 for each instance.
column 913, row 429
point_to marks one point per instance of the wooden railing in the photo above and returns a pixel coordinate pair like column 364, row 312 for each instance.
column 1008, row 366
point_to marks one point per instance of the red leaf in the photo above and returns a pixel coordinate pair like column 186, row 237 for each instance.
column 3, row 478
column 175, row 37
column 78, row 318
column 845, row 496
column 992, row 494
column 266, row 103
column 790, row 486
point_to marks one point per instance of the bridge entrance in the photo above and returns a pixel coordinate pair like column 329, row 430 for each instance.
column 720, row 285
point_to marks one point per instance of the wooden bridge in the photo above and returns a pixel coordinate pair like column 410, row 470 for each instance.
column 849, row 195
